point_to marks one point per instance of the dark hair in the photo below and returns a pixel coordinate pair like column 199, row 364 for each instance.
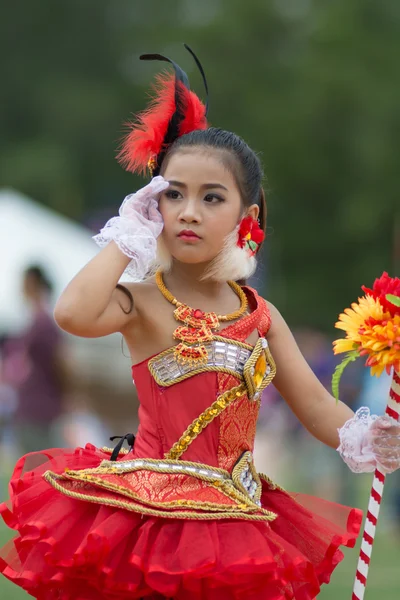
column 38, row 274
column 236, row 155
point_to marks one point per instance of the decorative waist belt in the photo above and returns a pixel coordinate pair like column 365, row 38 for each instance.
column 171, row 488
column 244, row 476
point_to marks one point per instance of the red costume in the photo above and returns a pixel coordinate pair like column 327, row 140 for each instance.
column 184, row 514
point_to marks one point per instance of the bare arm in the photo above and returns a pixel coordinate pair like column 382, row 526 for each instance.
column 91, row 306
column 313, row 405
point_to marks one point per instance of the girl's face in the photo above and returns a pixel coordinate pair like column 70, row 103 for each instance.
column 201, row 206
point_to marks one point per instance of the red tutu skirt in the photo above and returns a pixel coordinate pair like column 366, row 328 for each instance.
column 68, row 549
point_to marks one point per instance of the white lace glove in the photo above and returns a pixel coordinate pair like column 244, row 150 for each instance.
column 137, row 228
column 368, row 442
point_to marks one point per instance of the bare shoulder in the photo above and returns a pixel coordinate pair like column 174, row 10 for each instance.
column 272, row 309
column 278, row 323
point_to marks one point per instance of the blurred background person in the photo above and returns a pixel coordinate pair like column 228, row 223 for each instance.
column 8, row 406
column 34, row 365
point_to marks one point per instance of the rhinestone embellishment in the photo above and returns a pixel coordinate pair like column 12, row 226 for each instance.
column 166, row 370
column 126, row 465
column 246, row 477
column 248, row 482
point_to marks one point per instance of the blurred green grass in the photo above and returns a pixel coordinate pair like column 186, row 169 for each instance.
column 383, row 583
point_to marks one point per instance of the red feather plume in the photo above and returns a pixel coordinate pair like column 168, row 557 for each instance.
column 195, row 113
column 146, row 137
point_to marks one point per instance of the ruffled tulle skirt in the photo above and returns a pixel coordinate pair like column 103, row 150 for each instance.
column 68, row 549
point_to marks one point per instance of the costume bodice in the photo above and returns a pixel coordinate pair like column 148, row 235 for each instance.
column 193, row 450
column 173, row 396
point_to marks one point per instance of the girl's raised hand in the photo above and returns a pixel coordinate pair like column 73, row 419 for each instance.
column 136, row 229
column 144, row 202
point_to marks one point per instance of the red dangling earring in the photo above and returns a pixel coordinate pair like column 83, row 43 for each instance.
column 250, row 235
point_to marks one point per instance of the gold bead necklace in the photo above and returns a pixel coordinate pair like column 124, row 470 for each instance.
column 198, row 325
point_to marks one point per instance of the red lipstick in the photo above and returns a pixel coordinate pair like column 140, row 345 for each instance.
column 188, row 235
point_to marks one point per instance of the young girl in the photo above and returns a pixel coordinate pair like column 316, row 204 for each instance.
column 184, row 514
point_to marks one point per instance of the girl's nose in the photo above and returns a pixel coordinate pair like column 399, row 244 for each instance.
column 190, row 212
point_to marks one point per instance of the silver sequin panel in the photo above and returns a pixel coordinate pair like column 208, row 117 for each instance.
column 139, row 463
column 220, row 354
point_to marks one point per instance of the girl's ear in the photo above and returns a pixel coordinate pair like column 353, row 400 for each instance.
column 253, row 211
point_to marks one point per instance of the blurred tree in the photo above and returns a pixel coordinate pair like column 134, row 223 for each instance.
column 313, row 86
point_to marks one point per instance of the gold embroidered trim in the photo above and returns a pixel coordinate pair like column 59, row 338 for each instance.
column 203, row 420
column 199, row 369
column 254, row 388
column 52, row 478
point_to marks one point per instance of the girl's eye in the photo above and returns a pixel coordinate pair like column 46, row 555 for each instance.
column 214, row 199
column 172, row 194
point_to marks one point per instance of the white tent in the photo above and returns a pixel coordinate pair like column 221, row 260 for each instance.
column 33, row 234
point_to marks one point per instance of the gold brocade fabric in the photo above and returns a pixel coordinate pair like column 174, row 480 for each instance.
column 165, row 489
column 237, row 426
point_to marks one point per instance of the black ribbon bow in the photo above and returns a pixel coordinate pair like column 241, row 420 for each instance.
column 129, row 437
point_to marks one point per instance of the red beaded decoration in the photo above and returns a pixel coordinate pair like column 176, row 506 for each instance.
column 198, row 329
column 198, row 325
column 195, row 317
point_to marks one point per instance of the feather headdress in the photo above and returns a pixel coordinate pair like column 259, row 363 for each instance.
column 173, row 111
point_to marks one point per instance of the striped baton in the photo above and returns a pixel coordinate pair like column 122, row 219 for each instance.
column 393, row 411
